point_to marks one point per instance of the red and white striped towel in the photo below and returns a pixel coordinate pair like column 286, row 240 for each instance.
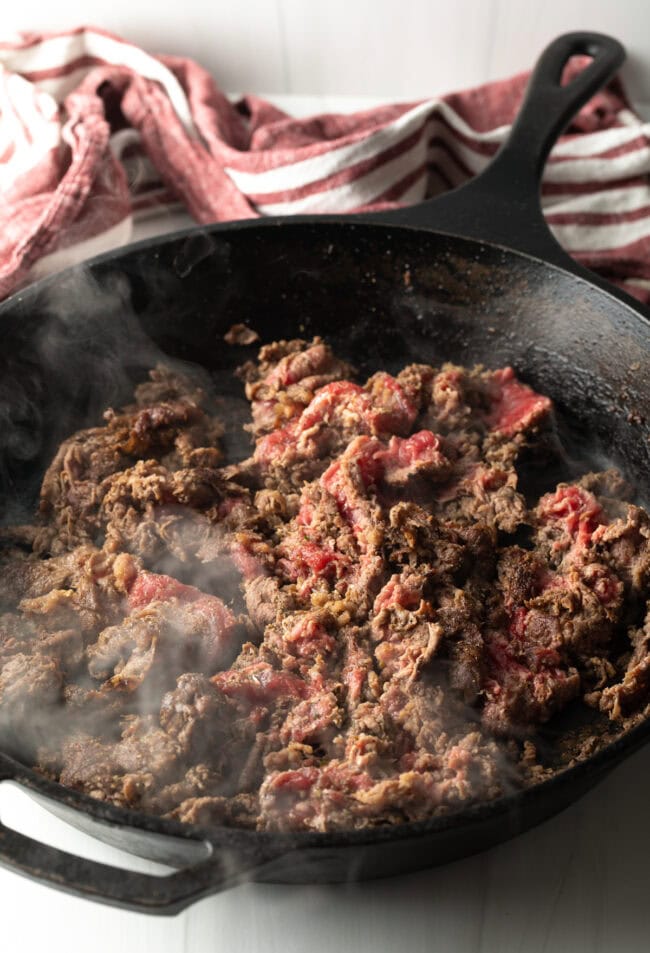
column 96, row 134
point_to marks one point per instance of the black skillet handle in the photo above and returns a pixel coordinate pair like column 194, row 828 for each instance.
column 92, row 880
column 502, row 205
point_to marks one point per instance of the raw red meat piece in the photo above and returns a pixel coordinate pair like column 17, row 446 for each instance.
column 249, row 565
column 310, row 561
column 197, row 610
column 345, row 480
column 574, row 510
column 296, row 367
column 515, row 406
column 418, row 455
column 526, row 683
column 260, row 684
column 391, row 411
column 308, row 638
column 383, row 409
column 155, row 587
column 313, row 720
column 400, row 592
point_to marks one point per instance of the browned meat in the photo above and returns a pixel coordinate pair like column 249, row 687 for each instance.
column 401, row 767
column 484, row 403
column 128, row 772
column 484, row 495
column 266, row 601
column 168, row 384
column 31, row 693
column 29, row 680
column 150, row 511
column 241, row 335
column 624, row 545
column 405, row 629
column 169, row 423
column 410, row 620
column 633, row 691
column 549, row 625
column 61, row 603
column 238, row 811
column 196, row 715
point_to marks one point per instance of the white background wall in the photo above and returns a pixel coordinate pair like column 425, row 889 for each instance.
column 391, row 49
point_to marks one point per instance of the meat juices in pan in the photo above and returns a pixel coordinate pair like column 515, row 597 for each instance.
column 363, row 623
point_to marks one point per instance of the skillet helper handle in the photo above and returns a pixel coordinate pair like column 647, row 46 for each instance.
column 502, row 204
column 92, row 880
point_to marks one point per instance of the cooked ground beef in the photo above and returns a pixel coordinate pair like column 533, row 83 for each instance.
column 365, row 622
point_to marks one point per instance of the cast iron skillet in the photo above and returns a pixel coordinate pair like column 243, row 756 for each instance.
column 384, row 290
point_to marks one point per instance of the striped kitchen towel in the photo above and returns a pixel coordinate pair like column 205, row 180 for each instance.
column 96, row 134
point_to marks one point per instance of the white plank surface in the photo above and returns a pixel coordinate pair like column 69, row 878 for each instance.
column 577, row 883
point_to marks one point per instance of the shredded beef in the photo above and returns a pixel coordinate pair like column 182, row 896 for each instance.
column 171, row 422
column 364, row 622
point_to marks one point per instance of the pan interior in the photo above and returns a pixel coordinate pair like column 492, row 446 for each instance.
column 382, row 297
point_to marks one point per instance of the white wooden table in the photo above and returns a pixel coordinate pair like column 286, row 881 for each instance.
column 579, row 883
column 576, row 884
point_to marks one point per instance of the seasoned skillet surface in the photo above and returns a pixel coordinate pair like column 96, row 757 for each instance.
column 387, row 594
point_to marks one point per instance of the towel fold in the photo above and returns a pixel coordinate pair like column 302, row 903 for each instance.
column 96, row 134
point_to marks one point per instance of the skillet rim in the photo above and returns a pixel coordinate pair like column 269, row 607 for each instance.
column 394, row 219
column 112, row 816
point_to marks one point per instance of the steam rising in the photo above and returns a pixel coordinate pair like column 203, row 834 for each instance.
column 62, row 379
column 54, row 380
